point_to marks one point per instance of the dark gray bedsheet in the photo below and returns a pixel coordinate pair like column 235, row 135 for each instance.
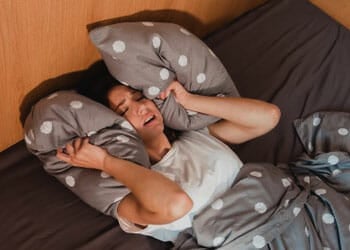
column 290, row 53
column 286, row 51
column 38, row 212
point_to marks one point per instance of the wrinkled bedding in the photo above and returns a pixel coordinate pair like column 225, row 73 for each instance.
column 301, row 205
column 300, row 64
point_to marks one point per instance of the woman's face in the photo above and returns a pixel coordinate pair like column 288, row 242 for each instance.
column 138, row 110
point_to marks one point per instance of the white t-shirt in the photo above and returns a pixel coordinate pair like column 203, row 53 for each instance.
column 204, row 167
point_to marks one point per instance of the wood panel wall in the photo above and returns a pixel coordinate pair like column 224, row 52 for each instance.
column 43, row 39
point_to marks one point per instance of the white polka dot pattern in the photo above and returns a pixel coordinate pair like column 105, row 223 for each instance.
column 212, row 53
column 104, row 175
column 76, row 104
column 46, row 127
column 156, row 42
column 70, row 181
column 327, row 218
column 343, row 131
column 184, row 31
column 148, row 24
column 201, row 78
column 286, row 203
column 285, row 182
column 307, row 233
column 256, row 174
column 310, row 146
column 296, row 211
column 31, row 134
column 316, row 121
column 183, row 60
column 218, row 241
column 27, row 140
column 333, row 159
column 164, row 74
column 191, row 112
column 123, row 138
column 336, row 172
column 218, row 204
column 320, row 191
column 260, row 207
column 52, row 96
column 153, row 90
column 90, row 133
column 119, row 46
column 259, row 241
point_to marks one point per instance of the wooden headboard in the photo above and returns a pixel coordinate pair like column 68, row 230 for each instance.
column 41, row 40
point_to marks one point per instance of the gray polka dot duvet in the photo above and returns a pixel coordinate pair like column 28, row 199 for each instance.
column 148, row 56
column 301, row 205
column 65, row 115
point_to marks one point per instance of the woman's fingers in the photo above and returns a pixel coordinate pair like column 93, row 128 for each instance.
column 85, row 141
column 62, row 156
column 172, row 87
column 70, row 149
column 77, row 144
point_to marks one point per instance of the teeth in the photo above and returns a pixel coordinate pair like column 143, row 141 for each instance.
column 148, row 119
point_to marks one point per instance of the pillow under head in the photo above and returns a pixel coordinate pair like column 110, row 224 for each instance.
column 148, row 56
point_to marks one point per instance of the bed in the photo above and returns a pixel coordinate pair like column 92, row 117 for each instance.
column 300, row 64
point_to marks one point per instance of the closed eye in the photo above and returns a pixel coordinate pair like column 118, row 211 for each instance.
column 124, row 111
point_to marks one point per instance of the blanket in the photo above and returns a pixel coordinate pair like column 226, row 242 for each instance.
column 298, row 205
column 303, row 206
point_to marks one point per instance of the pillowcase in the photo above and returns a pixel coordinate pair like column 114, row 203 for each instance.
column 148, row 56
column 65, row 115
column 323, row 132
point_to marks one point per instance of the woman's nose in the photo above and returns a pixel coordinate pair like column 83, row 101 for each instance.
column 141, row 108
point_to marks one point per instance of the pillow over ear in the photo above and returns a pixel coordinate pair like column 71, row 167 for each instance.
column 65, row 115
column 323, row 132
column 149, row 56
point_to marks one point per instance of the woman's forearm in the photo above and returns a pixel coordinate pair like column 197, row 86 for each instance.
column 154, row 192
column 243, row 111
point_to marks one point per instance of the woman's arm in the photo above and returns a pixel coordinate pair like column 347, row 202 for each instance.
column 242, row 118
column 154, row 199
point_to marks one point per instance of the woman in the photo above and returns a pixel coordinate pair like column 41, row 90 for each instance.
column 186, row 175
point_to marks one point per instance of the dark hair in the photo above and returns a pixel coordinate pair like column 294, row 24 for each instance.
column 97, row 82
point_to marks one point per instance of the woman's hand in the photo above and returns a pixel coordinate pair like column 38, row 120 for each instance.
column 177, row 89
column 81, row 153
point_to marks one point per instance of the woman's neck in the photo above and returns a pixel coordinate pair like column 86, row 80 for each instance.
column 157, row 147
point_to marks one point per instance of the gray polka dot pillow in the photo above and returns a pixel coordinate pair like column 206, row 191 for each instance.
column 323, row 132
column 149, row 56
column 58, row 119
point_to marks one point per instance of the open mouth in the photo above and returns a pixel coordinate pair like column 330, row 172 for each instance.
column 149, row 120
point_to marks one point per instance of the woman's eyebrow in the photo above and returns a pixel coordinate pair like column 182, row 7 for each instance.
column 124, row 100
